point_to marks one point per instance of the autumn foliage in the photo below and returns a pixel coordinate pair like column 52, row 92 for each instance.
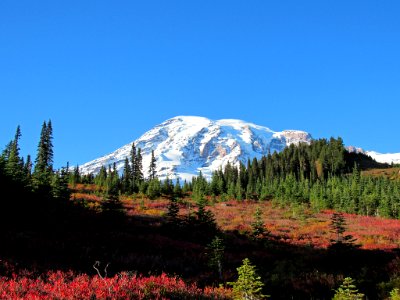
column 66, row 285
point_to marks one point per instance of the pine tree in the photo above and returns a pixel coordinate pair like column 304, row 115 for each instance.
column 215, row 253
column 338, row 226
column 14, row 164
column 126, row 177
column 44, row 161
column 101, row 177
column 178, row 189
column 348, row 291
column 258, row 226
column 167, row 187
column 152, row 167
column 172, row 212
column 138, row 169
column 205, row 218
column 113, row 184
column 154, row 189
column 133, row 168
column 28, row 169
column 76, row 176
column 59, row 184
column 248, row 285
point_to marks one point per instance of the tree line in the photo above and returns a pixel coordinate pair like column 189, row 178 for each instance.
column 322, row 175
column 19, row 174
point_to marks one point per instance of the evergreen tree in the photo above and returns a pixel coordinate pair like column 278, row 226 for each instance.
column 172, row 212
column 258, row 226
column 152, row 167
column 126, row 177
column 248, row 285
column 348, row 291
column 112, row 183
column 59, row 185
column 44, row 161
column 133, row 168
column 101, row 177
column 138, row 169
column 167, row 187
column 215, row 253
column 28, row 168
column 14, row 164
column 205, row 218
column 199, row 187
column 186, row 187
column 154, row 189
column 338, row 226
column 178, row 189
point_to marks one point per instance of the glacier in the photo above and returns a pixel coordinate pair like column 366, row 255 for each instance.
column 185, row 145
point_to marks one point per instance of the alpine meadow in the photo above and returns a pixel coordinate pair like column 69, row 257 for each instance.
column 231, row 150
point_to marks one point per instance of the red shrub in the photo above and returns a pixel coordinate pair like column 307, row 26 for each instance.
column 60, row 285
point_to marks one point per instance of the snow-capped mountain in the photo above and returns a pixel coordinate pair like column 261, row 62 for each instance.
column 385, row 157
column 379, row 157
column 186, row 145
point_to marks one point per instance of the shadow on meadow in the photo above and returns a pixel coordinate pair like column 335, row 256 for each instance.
column 41, row 234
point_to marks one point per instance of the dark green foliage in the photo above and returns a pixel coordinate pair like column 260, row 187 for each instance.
column 322, row 175
column 172, row 212
column 154, row 189
column 152, row 167
column 258, row 227
column 204, row 219
column 215, row 253
column 199, row 187
column 112, row 184
column 101, row 178
column 126, row 186
column 74, row 176
column 138, row 167
column 134, row 188
column 28, row 169
column 178, row 189
column 60, row 184
column 44, row 160
column 14, row 165
column 167, row 187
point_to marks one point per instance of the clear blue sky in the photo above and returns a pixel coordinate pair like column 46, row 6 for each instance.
column 105, row 72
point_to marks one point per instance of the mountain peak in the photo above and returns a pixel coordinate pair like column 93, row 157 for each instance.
column 186, row 145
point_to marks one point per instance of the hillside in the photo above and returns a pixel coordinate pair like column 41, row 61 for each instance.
column 306, row 218
column 293, row 258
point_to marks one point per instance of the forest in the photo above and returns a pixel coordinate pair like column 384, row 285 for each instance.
column 310, row 222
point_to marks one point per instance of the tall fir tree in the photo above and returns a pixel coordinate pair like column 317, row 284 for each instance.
column 338, row 226
column 126, row 177
column 14, row 164
column 28, row 168
column 138, row 167
column 132, row 159
column 152, row 167
column 44, row 161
